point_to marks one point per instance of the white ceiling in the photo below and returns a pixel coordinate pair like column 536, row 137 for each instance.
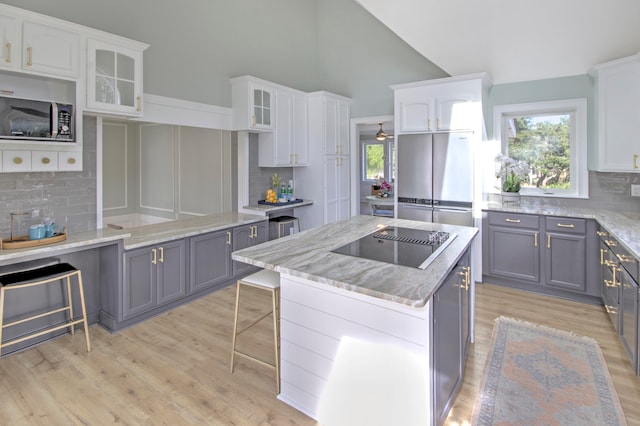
column 514, row 40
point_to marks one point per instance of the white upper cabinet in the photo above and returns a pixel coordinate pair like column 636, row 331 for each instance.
column 50, row 50
column 336, row 125
column 287, row 144
column 253, row 104
column 618, row 106
column 9, row 37
column 114, row 77
column 440, row 105
column 38, row 47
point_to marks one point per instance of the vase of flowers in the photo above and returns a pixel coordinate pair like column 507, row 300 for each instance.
column 511, row 173
column 386, row 190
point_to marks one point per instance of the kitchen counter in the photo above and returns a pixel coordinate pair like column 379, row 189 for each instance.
column 133, row 237
column 266, row 209
column 625, row 226
column 308, row 255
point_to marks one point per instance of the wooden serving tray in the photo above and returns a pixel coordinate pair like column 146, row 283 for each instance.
column 25, row 242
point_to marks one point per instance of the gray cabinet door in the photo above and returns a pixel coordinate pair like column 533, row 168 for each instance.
column 139, row 284
column 153, row 276
column 446, row 343
column 565, row 258
column 247, row 236
column 514, row 253
column 171, row 276
column 209, row 260
column 629, row 316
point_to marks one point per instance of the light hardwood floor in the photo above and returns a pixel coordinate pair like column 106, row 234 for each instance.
column 174, row 369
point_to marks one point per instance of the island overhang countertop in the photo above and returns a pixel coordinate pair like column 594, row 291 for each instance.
column 308, row 255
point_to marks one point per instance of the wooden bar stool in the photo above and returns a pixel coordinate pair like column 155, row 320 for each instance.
column 282, row 221
column 270, row 281
column 41, row 276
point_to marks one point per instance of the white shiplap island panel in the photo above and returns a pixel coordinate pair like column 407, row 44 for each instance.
column 326, row 297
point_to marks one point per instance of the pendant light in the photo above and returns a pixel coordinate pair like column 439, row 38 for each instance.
column 381, row 135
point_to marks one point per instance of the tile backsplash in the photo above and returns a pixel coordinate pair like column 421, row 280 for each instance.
column 67, row 197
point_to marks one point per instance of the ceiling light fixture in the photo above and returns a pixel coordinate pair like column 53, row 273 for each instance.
column 381, row 135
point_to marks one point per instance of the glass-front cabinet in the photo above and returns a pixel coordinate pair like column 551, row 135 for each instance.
column 114, row 78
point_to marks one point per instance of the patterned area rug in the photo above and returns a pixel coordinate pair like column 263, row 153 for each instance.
column 537, row 375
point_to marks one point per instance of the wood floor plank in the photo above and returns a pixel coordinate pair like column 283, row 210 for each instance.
column 174, row 368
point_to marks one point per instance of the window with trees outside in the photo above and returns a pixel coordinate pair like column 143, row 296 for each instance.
column 550, row 138
column 378, row 161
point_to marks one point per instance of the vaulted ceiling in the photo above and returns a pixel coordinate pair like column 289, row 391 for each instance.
column 515, row 40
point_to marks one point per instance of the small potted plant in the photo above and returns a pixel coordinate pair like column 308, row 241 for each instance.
column 511, row 173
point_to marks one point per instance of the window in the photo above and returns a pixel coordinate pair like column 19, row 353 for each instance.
column 551, row 138
column 378, row 161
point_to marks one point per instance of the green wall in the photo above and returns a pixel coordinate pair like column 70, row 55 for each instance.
column 197, row 45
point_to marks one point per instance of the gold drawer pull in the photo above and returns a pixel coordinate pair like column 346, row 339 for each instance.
column 609, row 283
column 602, row 233
column 512, row 220
column 612, row 243
column 71, row 160
column 535, row 239
column 563, row 225
column 624, row 258
column 17, row 160
column 45, row 160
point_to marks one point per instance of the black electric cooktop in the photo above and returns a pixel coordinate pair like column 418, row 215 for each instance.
column 401, row 246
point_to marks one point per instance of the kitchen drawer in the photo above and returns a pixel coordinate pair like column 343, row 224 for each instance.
column 566, row 225
column 44, row 161
column 16, row 161
column 515, row 220
column 70, row 161
column 627, row 260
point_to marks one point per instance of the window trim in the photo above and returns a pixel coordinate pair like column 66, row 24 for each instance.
column 579, row 167
column 388, row 147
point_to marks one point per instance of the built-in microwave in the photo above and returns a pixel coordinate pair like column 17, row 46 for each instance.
column 34, row 120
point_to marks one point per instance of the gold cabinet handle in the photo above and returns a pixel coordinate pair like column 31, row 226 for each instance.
column 228, row 238
column 45, row 160
column 625, row 258
column 602, row 252
column 635, row 161
column 610, row 309
column 564, row 225
column 29, row 56
column 438, row 123
column 609, row 283
column 139, row 103
column 154, row 258
column 428, row 123
column 71, row 160
column 17, row 160
column 161, row 260
column 611, row 243
column 601, row 233
column 512, row 220
column 296, row 158
column 548, row 241
column 8, row 46
column 253, row 120
column 535, row 239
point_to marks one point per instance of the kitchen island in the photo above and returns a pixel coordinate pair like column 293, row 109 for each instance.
column 328, row 296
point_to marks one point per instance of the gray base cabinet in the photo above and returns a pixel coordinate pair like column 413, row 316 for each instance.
column 547, row 254
column 151, row 280
column 450, row 313
column 209, row 263
column 153, row 276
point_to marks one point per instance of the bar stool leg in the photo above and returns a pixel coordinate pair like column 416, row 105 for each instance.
column 70, row 299
column 84, row 311
column 1, row 315
column 235, row 327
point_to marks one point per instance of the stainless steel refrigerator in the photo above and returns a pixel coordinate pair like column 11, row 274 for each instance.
column 435, row 178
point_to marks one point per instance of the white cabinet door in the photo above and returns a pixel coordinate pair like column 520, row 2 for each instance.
column 416, row 115
column 336, row 190
column 50, row 50
column 9, row 40
column 300, row 137
column 114, row 78
column 454, row 113
column 253, row 103
column 618, row 92
column 337, row 126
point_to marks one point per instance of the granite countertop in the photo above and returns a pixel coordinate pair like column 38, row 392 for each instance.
column 624, row 226
column 134, row 237
column 74, row 241
column 157, row 233
column 308, row 255
column 266, row 209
